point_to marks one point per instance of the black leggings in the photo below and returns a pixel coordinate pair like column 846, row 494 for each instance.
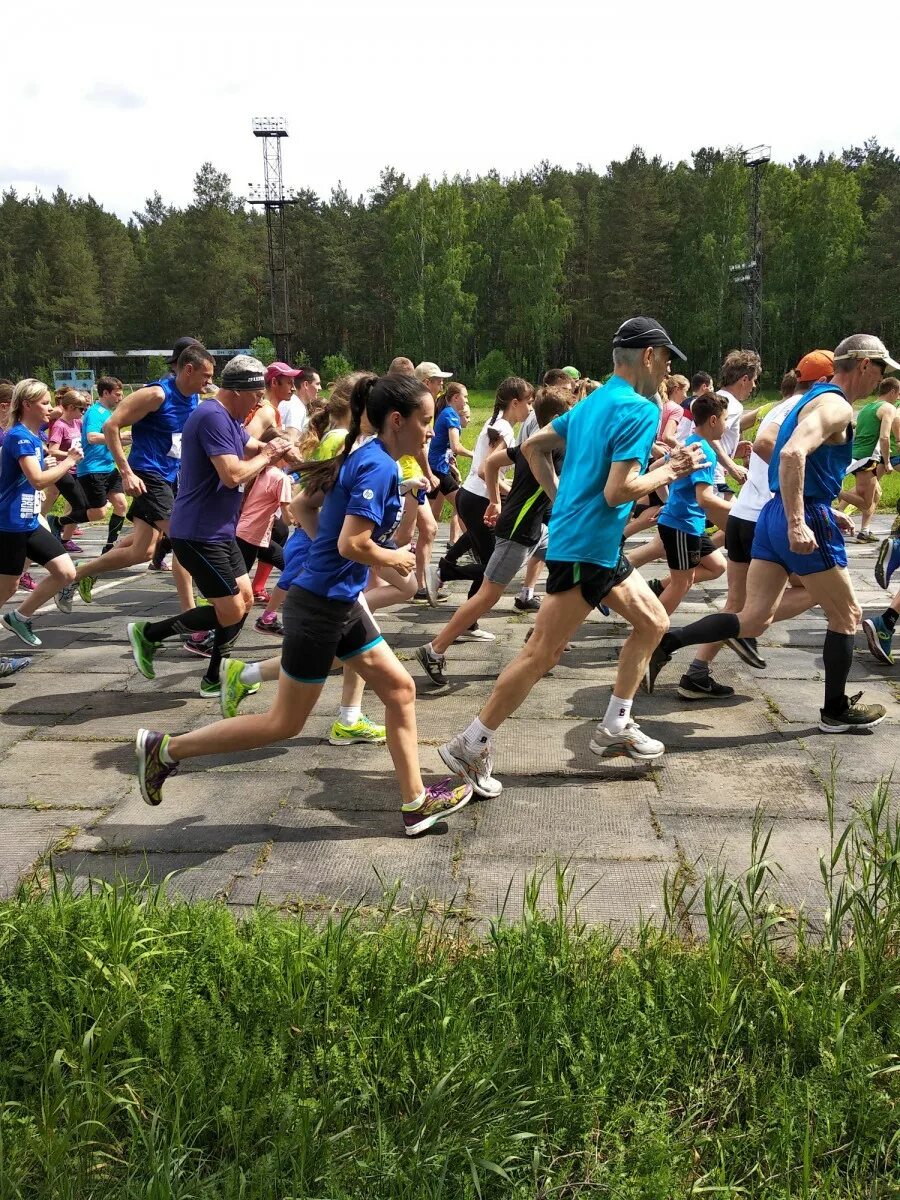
column 70, row 489
column 272, row 553
column 481, row 541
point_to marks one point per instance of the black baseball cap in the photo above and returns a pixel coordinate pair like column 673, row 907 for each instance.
column 639, row 332
column 182, row 344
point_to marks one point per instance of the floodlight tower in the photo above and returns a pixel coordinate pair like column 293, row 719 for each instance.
column 755, row 158
column 273, row 198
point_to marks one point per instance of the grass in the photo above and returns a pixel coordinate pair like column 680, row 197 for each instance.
column 166, row 1050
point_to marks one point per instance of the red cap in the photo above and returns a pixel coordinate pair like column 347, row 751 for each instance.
column 279, row 369
column 817, row 364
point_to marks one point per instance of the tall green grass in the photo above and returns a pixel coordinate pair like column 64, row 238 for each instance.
column 166, row 1050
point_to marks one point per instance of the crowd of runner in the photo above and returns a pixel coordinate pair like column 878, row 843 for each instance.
column 343, row 496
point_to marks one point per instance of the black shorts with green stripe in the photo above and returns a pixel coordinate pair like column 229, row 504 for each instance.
column 595, row 582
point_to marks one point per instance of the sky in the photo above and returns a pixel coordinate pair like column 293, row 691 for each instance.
column 118, row 100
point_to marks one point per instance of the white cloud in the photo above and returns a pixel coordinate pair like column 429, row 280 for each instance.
column 430, row 88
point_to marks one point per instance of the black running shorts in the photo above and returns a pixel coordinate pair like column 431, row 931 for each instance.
column 156, row 504
column 739, row 539
column 595, row 582
column 684, row 550
column 446, row 486
column 99, row 486
column 215, row 567
column 38, row 544
column 318, row 630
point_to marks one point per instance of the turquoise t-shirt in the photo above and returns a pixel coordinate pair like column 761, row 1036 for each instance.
column 612, row 424
column 97, row 458
column 681, row 510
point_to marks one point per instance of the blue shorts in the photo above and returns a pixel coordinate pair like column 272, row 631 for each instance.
column 770, row 542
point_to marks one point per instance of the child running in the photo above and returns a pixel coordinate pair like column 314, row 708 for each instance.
column 445, row 448
column 520, row 531
column 324, row 618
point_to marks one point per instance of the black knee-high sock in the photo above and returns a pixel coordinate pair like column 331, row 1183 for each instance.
column 837, row 654
column 163, row 546
column 223, row 641
column 115, row 528
column 457, row 550
column 193, row 621
column 717, row 627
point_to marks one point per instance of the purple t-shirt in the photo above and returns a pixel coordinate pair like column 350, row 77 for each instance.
column 205, row 509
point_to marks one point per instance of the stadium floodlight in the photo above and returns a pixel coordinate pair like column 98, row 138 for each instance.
column 269, row 127
column 757, row 155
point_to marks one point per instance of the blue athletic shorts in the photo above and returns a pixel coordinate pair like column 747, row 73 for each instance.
column 770, row 542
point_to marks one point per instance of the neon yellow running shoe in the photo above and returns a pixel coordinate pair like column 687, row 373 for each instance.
column 362, row 730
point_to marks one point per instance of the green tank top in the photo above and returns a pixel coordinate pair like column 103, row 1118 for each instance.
column 868, row 427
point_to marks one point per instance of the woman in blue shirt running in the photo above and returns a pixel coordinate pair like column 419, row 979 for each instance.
column 324, row 616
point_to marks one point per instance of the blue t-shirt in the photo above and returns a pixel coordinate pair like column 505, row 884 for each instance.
column 206, row 509
column 156, row 438
column 20, row 502
column 612, row 424
column 439, row 449
column 98, row 458
column 681, row 510
column 826, row 466
column 367, row 487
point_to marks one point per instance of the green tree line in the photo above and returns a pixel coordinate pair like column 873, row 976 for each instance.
column 532, row 270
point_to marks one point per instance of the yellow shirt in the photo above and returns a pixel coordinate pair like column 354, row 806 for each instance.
column 409, row 468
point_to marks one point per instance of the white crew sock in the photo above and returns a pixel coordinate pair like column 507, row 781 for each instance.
column 251, row 673
column 349, row 716
column 415, row 803
column 432, row 653
column 618, row 714
column 477, row 736
column 21, row 615
column 526, row 593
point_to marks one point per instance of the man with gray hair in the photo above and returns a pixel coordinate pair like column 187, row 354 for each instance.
column 215, row 467
column 798, row 532
column 607, row 439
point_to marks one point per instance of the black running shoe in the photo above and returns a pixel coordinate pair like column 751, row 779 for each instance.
column 656, row 586
column 532, row 604
column 433, row 665
column 658, row 660
column 745, row 648
column 691, row 687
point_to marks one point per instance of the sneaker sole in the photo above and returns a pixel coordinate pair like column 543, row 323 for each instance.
column 356, row 741
column 685, row 694
column 210, row 695
column 424, row 661
column 850, row 728
column 623, row 751
column 131, row 628
column 458, row 767
column 432, row 588
column 875, row 648
column 140, row 753
column 881, row 561
column 754, row 661
column 424, row 826
column 484, row 636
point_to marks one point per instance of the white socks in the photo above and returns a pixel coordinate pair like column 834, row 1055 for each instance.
column 251, row 673
column 349, row 716
column 618, row 714
column 476, row 737
column 526, row 593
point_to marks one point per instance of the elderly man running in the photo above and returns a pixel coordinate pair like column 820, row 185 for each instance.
column 607, row 440
column 798, row 532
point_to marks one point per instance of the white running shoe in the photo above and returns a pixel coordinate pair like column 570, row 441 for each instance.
column 433, row 585
column 631, row 741
column 475, row 768
column 476, row 634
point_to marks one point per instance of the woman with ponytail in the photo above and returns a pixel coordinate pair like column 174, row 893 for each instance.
column 326, row 617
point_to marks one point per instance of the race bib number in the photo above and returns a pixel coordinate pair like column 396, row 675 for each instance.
column 29, row 505
column 175, row 448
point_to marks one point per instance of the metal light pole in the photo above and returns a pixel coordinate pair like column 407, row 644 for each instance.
column 273, row 198
column 755, row 158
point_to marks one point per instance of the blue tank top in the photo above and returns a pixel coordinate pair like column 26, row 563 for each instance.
column 156, row 438
column 827, row 465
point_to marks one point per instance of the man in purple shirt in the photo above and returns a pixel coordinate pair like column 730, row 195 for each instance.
column 214, row 471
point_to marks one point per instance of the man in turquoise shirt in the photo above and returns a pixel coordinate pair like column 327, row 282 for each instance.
column 607, row 440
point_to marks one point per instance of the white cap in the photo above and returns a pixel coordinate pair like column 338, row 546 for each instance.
column 430, row 370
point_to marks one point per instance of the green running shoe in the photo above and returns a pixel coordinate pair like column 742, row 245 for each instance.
column 211, row 690
column 879, row 638
column 142, row 648
column 439, row 801
column 362, row 730
column 152, row 771
column 21, row 628
column 232, row 691
column 86, row 591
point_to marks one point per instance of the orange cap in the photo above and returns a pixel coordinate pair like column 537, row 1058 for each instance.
column 815, row 365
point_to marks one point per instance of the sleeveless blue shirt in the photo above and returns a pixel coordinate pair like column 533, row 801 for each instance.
column 827, row 465
column 156, row 438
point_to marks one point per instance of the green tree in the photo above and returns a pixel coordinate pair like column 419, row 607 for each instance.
column 533, row 264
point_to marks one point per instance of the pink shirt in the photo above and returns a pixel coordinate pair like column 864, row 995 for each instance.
column 64, row 433
column 669, row 410
column 271, row 489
